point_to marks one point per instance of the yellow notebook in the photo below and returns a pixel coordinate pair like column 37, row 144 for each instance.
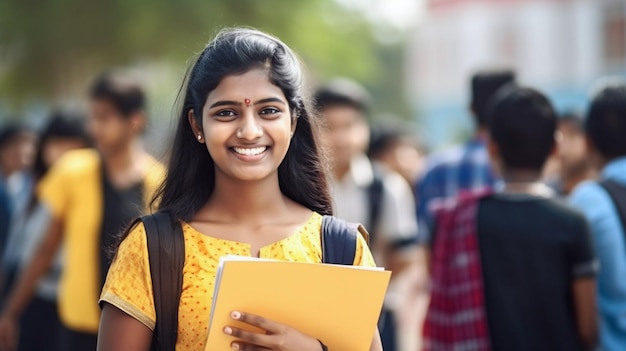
column 337, row 304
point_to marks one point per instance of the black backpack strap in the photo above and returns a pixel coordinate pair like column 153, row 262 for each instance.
column 339, row 240
column 617, row 192
column 166, row 251
column 375, row 192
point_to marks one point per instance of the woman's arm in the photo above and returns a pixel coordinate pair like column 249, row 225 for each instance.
column 121, row 332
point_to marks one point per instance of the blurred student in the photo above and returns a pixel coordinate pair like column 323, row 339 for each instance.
column 393, row 147
column 517, row 263
column 363, row 193
column 573, row 163
column 40, row 322
column 91, row 195
column 16, row 155
column 464, row 168
column 604, row 205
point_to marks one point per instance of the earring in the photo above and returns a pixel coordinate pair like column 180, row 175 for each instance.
column 199, row 137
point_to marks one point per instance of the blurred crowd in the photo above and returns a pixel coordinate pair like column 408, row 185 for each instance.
column 514, row 240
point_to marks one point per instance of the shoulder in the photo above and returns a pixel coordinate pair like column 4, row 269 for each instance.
column 155, row 170
column 77, row 162
column 394, row 184
column 442, row 160
column 561, row 211
column 590, row 198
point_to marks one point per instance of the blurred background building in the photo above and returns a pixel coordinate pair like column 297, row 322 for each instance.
column 557, row 46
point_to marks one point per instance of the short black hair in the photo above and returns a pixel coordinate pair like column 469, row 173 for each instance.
column 485, row 84
column 523, row 125
column 64, row 124
column 606, row 120
column 121, row 89
column 384, row 136
column 11, row 132
column 342, row 92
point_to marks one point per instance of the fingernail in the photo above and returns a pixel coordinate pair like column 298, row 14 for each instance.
column 235, row 346
column 228, row 330
column 235, row 315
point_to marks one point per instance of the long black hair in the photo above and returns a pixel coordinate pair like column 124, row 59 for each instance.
column 190, row 177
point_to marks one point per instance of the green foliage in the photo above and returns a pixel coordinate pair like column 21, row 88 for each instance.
column 49, row 49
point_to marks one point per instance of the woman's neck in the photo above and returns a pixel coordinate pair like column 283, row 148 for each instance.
column 248, row 202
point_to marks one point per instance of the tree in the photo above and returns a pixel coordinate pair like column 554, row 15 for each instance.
column 50, row 49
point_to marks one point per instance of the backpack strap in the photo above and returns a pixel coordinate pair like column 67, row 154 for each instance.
column 617, row 192
column 339, row 240
column 166, row 252
column 375, row 192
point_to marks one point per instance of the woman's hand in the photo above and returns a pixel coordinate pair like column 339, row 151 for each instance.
column 277, row 337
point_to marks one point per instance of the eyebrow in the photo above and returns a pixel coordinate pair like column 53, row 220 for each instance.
column 235, row 103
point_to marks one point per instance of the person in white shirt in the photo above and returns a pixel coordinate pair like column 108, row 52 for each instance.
column 366, row 192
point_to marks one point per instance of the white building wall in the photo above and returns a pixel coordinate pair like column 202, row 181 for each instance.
column 556, row 46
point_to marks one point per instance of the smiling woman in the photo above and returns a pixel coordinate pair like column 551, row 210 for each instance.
column 245, row 177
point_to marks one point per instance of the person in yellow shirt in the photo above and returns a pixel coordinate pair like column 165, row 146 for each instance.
column 246, row 177
column 92, row 194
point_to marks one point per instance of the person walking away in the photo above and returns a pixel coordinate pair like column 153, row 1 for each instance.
column 513, row 269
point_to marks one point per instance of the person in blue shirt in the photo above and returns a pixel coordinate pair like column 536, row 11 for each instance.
column 605, row 127
column 463, row 168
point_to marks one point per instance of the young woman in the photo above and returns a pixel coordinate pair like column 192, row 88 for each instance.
column 245, row 177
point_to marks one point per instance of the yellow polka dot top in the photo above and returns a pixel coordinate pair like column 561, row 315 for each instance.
column 129, row 287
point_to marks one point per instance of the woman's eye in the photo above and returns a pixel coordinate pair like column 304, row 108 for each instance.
column 270, row 111
column 225, row 113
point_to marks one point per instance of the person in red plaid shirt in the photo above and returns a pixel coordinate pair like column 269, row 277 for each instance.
column 513, row 269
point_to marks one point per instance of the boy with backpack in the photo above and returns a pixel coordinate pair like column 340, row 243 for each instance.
column 604, row 205
column 513, row 269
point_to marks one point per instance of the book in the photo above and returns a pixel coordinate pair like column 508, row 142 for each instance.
column 337, row 304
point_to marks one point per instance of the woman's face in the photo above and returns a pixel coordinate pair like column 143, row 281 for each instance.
column 246, row 126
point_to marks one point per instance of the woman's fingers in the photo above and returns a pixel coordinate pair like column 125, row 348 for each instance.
column 247, row 336
column 250, row 340
column 270, row 326
column 247, row 347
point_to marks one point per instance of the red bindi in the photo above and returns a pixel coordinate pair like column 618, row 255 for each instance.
column 247, row 102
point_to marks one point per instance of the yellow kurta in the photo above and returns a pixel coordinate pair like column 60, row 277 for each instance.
column 129, row 285
column 72, row 190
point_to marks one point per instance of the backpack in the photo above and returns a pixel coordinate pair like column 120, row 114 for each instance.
column 166, row 252
column 375, row 192
column 617, row 192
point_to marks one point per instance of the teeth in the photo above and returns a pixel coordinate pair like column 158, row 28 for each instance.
column 250, row 151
